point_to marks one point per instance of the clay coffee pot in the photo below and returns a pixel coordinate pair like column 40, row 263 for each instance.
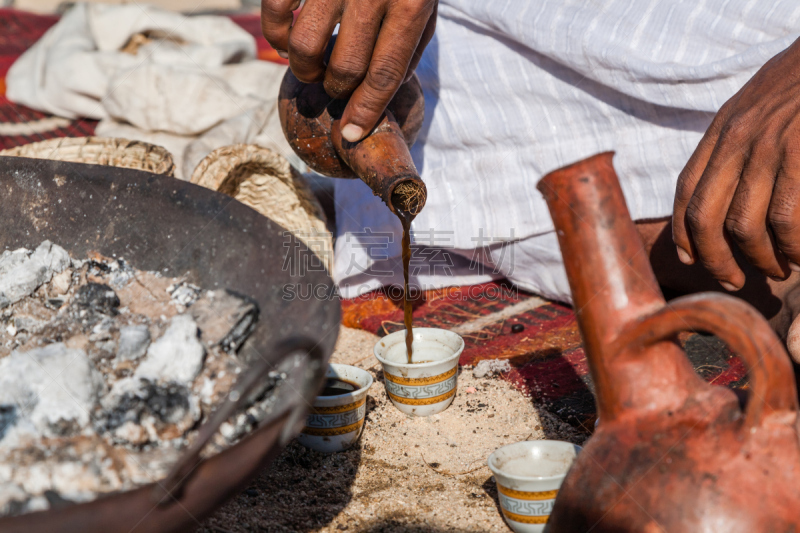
column 672, row 452
column 311, row 122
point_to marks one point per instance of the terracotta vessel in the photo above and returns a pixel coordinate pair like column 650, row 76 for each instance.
column 671, row 453
column 310, row 121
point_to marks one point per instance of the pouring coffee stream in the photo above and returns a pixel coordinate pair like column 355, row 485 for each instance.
column 311, row 122
column 408, row 320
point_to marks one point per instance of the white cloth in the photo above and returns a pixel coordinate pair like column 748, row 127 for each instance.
column 196, row 86
column 517, row 88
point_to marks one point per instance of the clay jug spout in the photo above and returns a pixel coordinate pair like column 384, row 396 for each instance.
column 310, row 121
column 613, row 287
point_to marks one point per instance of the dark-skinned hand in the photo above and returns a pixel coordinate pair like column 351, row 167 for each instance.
column 379, row 45
column 741, row 187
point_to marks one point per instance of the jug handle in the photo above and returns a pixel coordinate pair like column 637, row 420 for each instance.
column 745, row 332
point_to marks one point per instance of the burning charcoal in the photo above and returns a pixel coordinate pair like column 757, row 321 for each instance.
column 225, row 318
column 184, row 294
column 52, row 389
column 133, row 342
column 22, row 272
column 139, row 411
column 176, row 356
column 55, row 500
column 98, row 298
column 55, row 303
column 8, row 417
column 120, row 273
column 261, row 403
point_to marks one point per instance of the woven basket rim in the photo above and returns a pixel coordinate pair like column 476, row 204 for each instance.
column 110, row 151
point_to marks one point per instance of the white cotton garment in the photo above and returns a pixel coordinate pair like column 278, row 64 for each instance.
column 194, row 86
column 516, row 88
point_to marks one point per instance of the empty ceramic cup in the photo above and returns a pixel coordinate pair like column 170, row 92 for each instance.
column 528, row 476
column 428, row 385
column 336, row 419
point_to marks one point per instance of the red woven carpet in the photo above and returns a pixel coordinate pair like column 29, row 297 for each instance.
column 547, row 358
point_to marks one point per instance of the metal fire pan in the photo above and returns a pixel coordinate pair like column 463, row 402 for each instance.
column 163, row 224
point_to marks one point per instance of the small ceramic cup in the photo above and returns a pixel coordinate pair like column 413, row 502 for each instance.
column 335, row 422
column 428, row 385
column 528, row 476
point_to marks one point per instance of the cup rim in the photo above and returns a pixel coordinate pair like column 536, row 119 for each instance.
column 351, row 393
column 497, row 471
column 456, row 353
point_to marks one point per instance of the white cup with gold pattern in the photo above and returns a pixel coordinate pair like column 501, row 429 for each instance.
column 528, row 475
column 428, row 385
column 337, row 416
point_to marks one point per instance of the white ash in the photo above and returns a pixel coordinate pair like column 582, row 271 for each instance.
column 133, row 342
column 491, row 367
column 183, row 294
column 10, row 495
column 177, row 356
column 22, row 271
column 47, row 391
column 106, row 372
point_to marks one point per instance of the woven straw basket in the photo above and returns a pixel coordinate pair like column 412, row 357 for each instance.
column 100, row 151
column 257, row 177
column 265, row 181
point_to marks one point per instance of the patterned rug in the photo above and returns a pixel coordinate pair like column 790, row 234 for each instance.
column 540, row 339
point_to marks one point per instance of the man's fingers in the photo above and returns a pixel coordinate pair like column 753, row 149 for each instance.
column 746, row 221
column 276, row 22
column 784, row 210
column 427, row 35
column 688, row 180
column 399, row 37
column 352, row 52
column 309, row 37
column 708, row 208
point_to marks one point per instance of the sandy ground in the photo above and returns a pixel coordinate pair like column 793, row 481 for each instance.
column 406, row 475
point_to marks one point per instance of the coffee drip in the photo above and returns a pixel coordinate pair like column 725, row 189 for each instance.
column 406, row 219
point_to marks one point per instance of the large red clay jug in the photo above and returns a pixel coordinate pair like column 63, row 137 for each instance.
column 672, row 452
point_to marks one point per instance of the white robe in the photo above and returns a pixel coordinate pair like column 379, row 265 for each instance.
column 517, row 88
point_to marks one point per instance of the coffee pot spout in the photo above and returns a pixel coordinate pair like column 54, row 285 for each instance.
column 612, row 287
